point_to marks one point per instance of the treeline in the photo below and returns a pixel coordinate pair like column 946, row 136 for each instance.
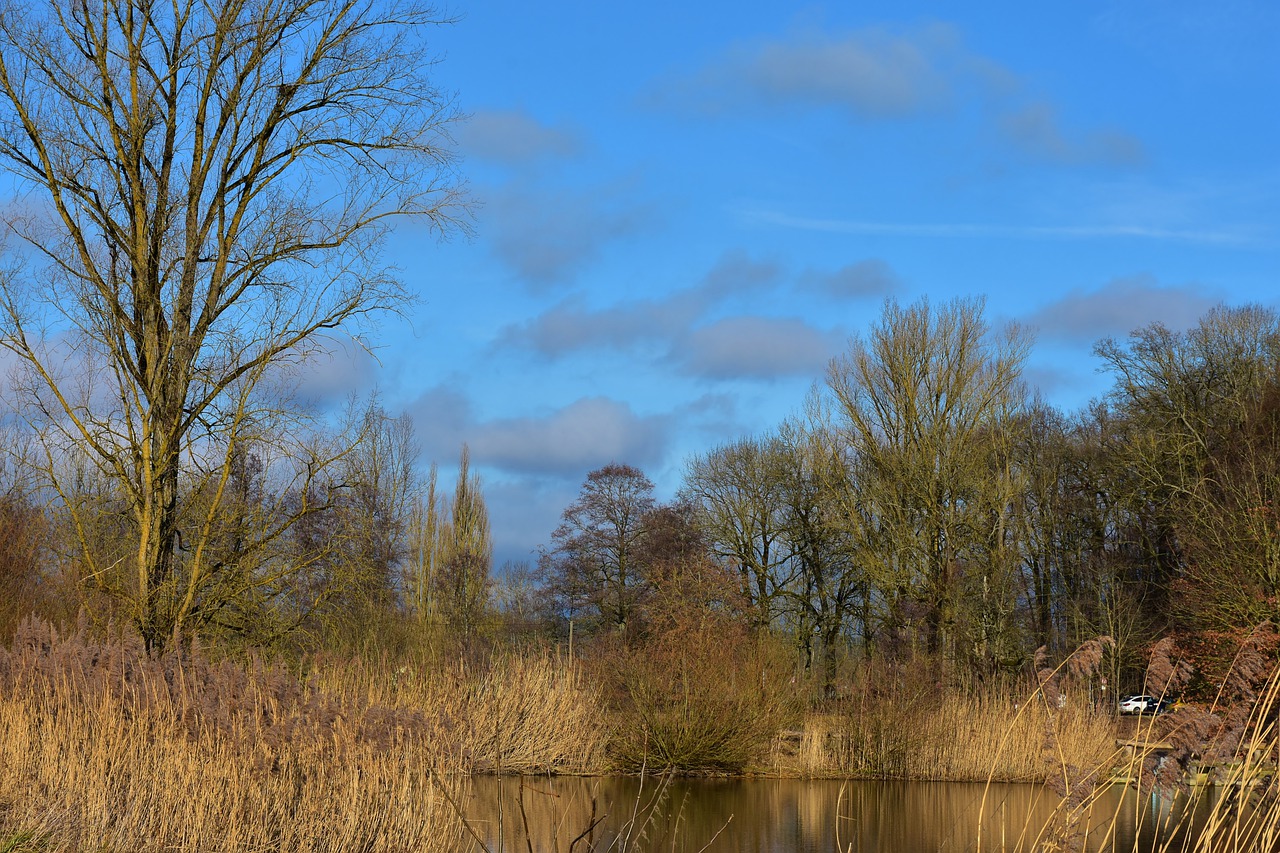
column 923, row 506
column 316, row 537
column 927, row 506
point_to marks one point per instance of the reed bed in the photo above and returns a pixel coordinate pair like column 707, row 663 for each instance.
column 105, row 748
column 531, row 713
column 1209, row 769
column 959, row 738
column 80, row 776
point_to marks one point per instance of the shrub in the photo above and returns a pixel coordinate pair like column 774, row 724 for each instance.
column 701, row 693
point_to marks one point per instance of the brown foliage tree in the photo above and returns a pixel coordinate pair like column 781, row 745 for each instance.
column 594, row 564
column 23, row 529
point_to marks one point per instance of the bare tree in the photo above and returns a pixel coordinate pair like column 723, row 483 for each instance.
column 1200, row 411
column 923, row 405
column 740, row 489
column 360, row 549
column 206, row 189
column 595, row 562
column 380, row 488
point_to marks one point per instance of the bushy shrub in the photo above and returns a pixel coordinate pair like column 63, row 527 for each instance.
column 700, row 692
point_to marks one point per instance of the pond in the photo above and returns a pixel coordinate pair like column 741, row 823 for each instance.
column 786, row 815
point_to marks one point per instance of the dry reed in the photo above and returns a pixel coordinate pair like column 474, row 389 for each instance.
column 103, row 747
column 960, row 738
column 531, row 713
column 1213, row 768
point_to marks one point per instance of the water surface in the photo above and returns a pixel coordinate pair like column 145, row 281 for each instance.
column 784, row 815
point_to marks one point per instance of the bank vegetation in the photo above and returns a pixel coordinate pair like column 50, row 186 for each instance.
column 925, row 575
column 234, row 617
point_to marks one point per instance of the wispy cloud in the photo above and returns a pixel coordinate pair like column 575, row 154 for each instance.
column 571, row 325
column 688, row 329
column 1239, row 236
column 884, row 73
column 547, row 235
column 514, row 137
column 874, row 72
column 1036, row 129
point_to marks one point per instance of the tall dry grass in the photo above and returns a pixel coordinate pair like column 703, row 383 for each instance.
column 104, row 748
column 531, row 713
column 1210, row 769
column 959, row 737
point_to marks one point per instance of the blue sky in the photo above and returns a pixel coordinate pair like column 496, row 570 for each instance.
column 686, row 209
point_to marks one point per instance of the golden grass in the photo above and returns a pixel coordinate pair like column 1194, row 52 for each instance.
column 530, row 713
column 76, row 775
column 959, row 738
column 104, row 748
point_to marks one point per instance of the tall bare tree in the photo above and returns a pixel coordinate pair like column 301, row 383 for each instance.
column 207, row 186
column 741, row 492
column 921, row 404
column 595, row 563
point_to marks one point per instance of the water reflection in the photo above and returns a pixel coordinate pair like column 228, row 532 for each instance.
column 783, row 815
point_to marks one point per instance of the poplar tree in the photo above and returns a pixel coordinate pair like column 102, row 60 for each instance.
column 450, row 576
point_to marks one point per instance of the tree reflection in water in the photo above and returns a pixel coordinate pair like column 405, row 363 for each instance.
column 780, row 815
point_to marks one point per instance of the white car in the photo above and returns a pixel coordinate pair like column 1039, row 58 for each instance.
column 1141, row 705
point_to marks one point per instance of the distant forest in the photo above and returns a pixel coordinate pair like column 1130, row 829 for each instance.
column 922, row 504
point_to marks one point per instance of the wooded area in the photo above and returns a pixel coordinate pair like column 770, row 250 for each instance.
column 924, row 507
column 214, row 183
column 927, row 506
column 233, row 609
